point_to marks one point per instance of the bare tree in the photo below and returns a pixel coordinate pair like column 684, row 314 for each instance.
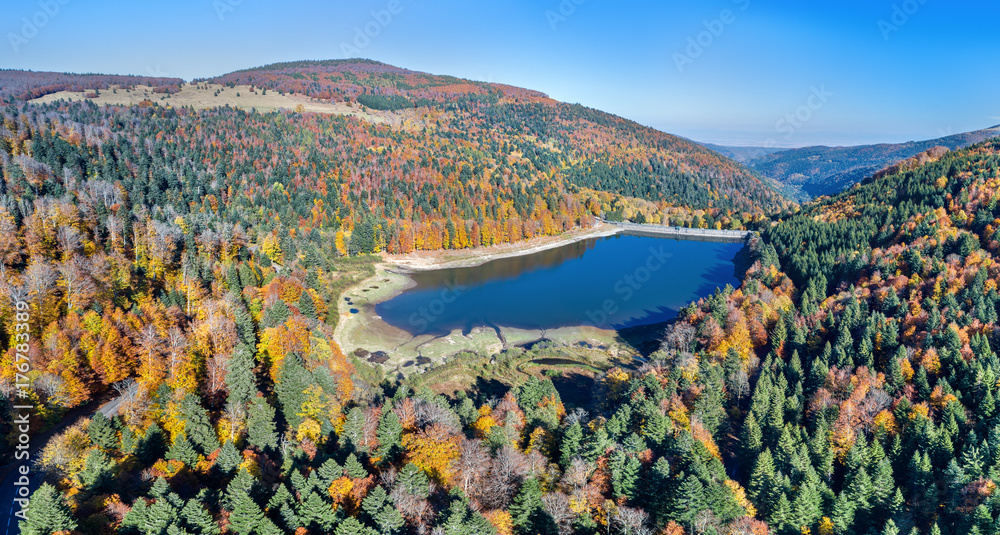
column 556, row 504
column 10, row 244
column 217, row 367
column 629, row 521
column 235, row 414
column 176, row 347
column 68, row 239
column 150, row 344
column 678, row 337
column 473, row 465
column 134, row 403
column 116, row 230
column 40, row 279
column 79, row 285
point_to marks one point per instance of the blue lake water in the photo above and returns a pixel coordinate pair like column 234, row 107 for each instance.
column 613, row 282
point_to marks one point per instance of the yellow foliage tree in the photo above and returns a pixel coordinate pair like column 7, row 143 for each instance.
column 434, row 450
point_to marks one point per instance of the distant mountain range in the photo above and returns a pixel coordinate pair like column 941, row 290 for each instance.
column 810, row 172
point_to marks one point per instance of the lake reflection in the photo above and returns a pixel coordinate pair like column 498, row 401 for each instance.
column 613, row 282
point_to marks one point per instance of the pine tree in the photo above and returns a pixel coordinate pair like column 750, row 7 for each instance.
column 315, row 511
column 527, row 512
column 413, row 480
column 261, row 429
column 389, row 433
column 570, row 449
column 246, row 516
column 354, row 468
column 102, row 431
column 229, row 457
column 688, row 501
column 293, row 381
column 240, row 378
column 198, row 519
column 183, row 451
column 197, row 425
column 46, row 513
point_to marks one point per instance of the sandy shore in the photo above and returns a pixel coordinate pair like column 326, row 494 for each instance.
column 364, row 328
column 430, row 260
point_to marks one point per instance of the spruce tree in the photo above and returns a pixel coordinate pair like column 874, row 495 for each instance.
column 354, row 468
column 245, row 516
column 97, row 471
column 198, row 519
column 102, row 431
column 570, row 448
column 261, row 428
column 240, row 378
column 229, row 457
column 389, row 433
column 197, row 425
column 688, row 502
column 129, row 441
column 293, row 381
column 527, row 512
column 46, row 513
column 306, row 306
column 315, row 511
column 762, row 480
column 183, row 451
column 413, row 480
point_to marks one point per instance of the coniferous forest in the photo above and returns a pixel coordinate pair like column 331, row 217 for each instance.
column 188, row 263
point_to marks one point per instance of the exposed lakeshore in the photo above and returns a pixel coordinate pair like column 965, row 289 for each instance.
column 361, row 331
column 364, row 330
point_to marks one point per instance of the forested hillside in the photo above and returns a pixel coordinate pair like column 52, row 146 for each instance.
column 26, row 85
column 815, row 171
column 849, row 386
column 189, row 261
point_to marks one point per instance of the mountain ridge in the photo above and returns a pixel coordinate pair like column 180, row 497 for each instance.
column 814, row 171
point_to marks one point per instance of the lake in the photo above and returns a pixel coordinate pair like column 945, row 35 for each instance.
column 612, row 282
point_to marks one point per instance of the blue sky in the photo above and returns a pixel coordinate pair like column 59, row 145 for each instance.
column 782, row 72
